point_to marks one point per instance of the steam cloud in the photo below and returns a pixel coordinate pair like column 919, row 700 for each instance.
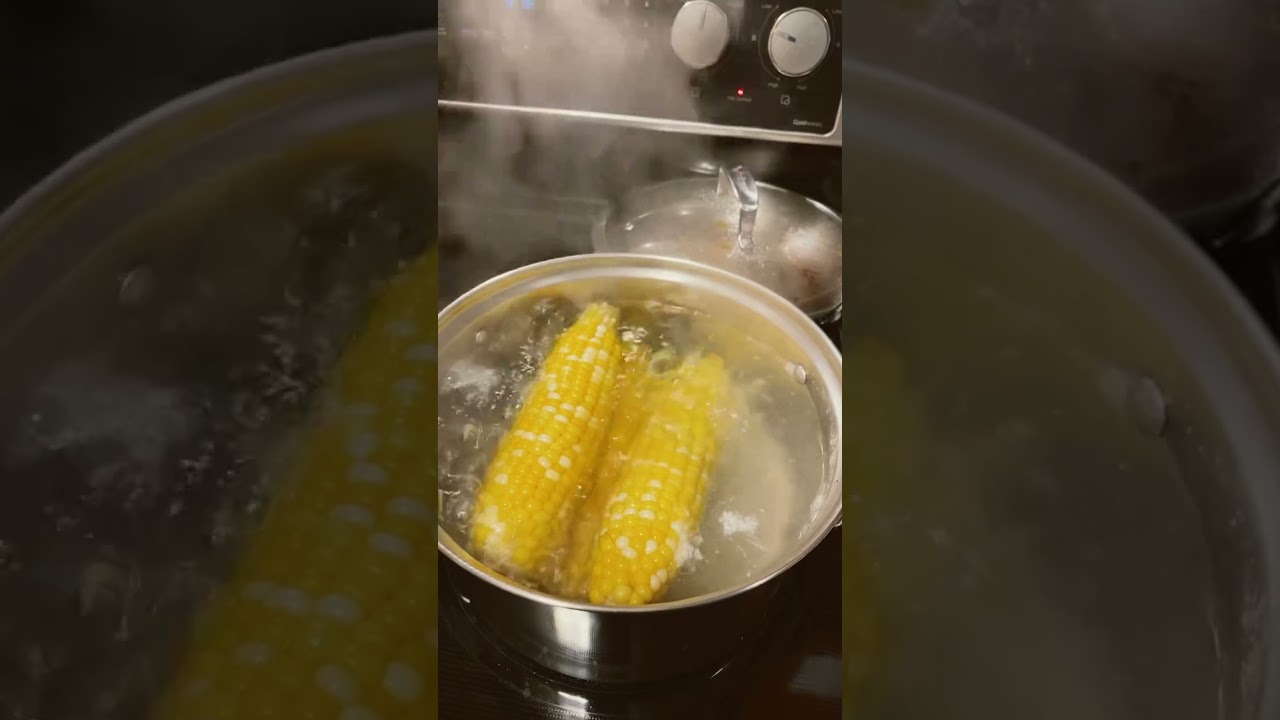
column 573, row 55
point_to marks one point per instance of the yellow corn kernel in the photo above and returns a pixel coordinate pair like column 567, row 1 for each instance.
column 655, row 511
column 537, row 477
column 331, row 612
column 635, row 390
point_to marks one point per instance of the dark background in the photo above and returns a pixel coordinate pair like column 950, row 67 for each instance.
column 72, row 71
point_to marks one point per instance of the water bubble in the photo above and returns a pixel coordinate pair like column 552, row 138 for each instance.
column 797, row 373
column 1147, row 406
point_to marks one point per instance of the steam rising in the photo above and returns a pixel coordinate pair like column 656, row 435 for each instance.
column 570, row 56
column 566, row 54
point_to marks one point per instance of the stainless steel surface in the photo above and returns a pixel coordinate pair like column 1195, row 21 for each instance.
column 696, row 67
column 631, row 643
column 788, row 664
column 831, row 139
column 799, row 41
column 614, row 648
column 1179, row 98
column 1064, row 427
column 795, row 243
column 738, row 183
column 172, row 298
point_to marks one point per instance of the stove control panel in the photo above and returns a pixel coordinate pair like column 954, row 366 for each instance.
column 768, row 65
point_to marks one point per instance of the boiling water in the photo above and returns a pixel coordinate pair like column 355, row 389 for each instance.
column 1015, row 543
column 770, row 460
column 147, row 405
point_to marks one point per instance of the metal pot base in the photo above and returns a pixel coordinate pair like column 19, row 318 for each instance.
column 582, row 646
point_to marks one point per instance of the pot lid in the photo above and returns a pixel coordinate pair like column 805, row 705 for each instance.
column 782, row 240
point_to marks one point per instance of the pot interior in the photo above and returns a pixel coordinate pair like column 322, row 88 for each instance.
column 171, row 307
column 1047, row 489
column 776, row 488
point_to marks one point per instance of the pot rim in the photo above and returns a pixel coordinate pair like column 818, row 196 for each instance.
column 23, row 207
column 828, row 352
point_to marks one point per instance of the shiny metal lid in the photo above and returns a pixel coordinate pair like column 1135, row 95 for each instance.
column 782, row 240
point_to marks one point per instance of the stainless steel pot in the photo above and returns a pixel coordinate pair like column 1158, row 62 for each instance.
column 782, row 240
column 638, row 644
column 147, row 290
column 1178, row 99
column 1065, row 424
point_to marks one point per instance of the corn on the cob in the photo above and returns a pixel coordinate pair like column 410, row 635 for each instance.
column 635, row 386
column 655, row 511
column 537, row 477
column 332, row 612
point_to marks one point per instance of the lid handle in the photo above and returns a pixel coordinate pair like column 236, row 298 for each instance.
column 738, row 181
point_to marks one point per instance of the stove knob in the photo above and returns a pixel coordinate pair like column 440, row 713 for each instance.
column 799, row 41
column 700, row 33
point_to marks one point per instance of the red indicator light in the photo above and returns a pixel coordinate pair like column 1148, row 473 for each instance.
column 741, row 92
